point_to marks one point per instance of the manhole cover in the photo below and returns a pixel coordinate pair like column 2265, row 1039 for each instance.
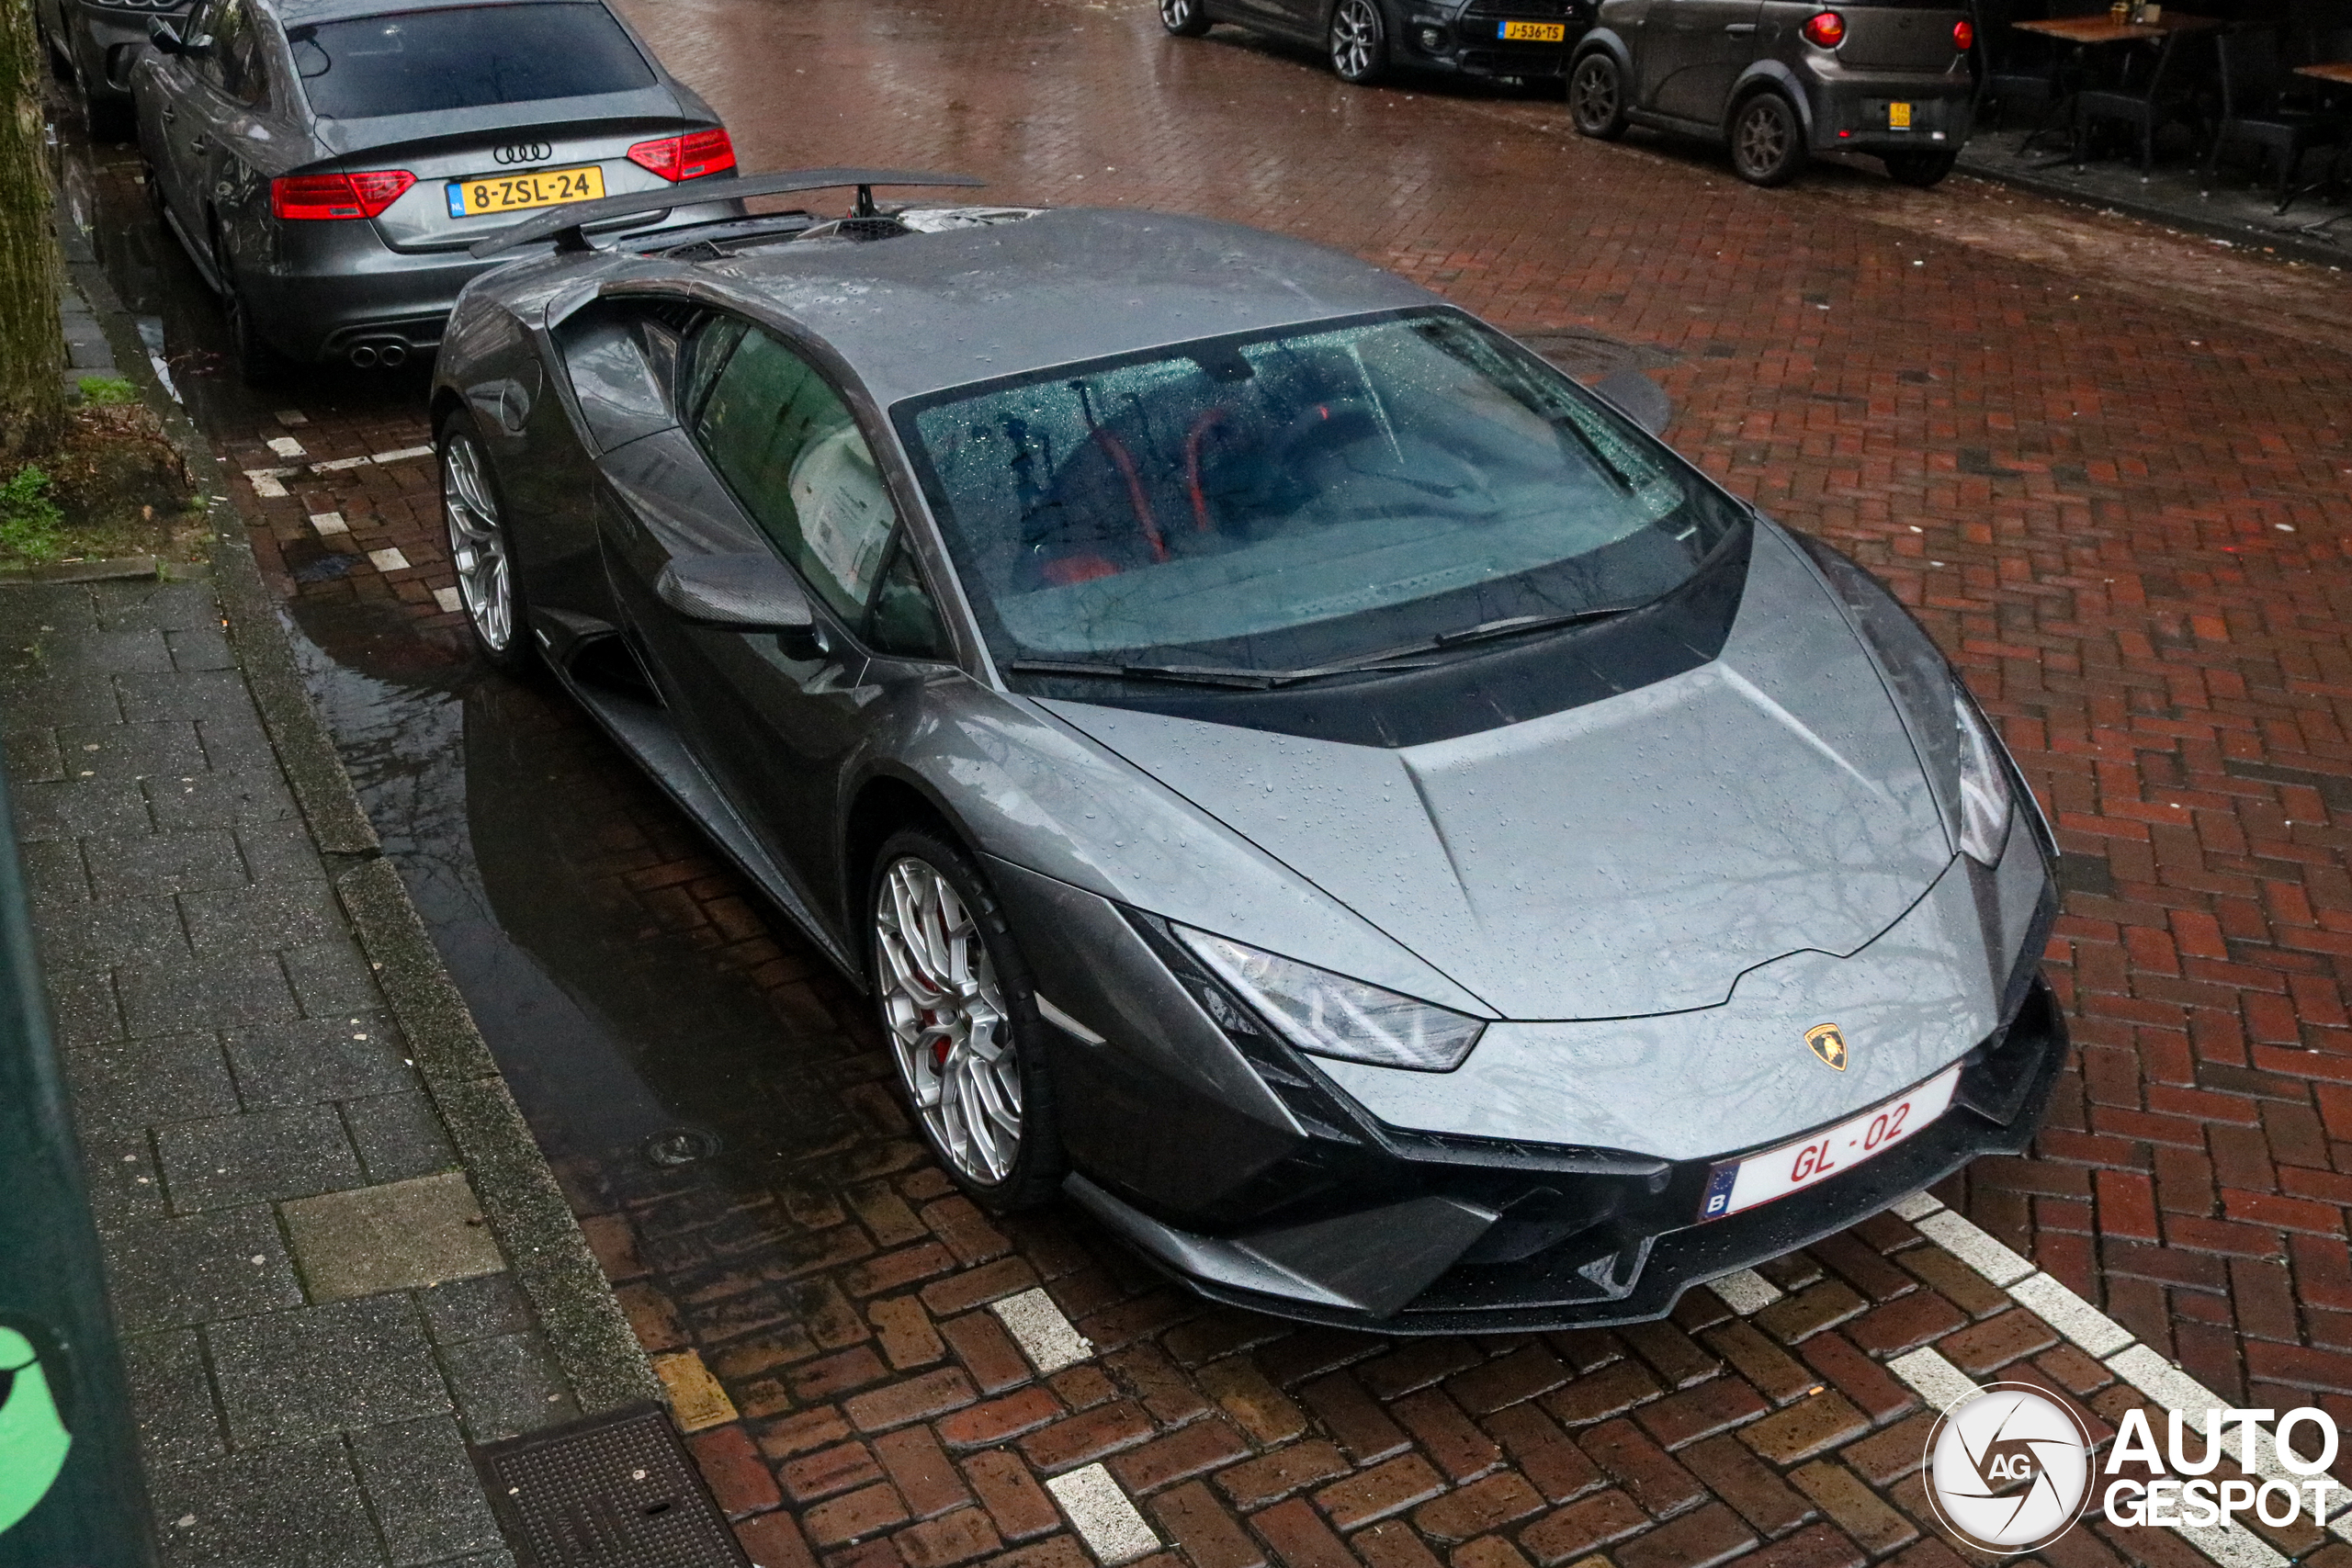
column 614, row 1491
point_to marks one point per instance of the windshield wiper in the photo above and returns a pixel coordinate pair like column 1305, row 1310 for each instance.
column 1511, row 626
column 1181, row 674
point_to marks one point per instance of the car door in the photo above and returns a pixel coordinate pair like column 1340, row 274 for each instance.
column 778, row 720
column 169, row 132
column 229, row 88
column 1694, row 51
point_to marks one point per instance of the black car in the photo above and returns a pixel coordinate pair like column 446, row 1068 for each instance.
column 327, row 163
column 1365, row 38
column 94, row 44
column 1782, row 79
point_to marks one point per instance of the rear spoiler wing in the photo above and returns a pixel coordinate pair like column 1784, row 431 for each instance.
column 567, row 225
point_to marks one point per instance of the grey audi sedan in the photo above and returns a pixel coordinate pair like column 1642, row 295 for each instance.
column 327, row 163
column 1297, row 777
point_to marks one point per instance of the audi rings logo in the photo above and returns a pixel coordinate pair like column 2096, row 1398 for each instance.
column 526, row 153
column 2008, row 1469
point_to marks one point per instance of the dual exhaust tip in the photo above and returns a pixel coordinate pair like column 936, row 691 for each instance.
column 385, row 353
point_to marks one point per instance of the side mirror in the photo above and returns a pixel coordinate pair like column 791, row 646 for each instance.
column 166, row 38
column 1638, row 398
column 750, row 592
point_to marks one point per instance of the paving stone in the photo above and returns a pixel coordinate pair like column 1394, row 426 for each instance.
column 218, row 799
column 506, row 1384
column 277, row 850
column 269, row 1509
column 173, row 995
column 304, row 1061
column 399, row 1136
column 394, row 1236
column 287, row 1376
column 130, row 750
column 106, row 931
column 198, row 1269
column 422, row 1490
column 54, row 870
column 265, row 916
column 171, row 1395
column 51, row 696
column 125, row 1188
column 200, row 648
column 76, row 808
column 140, row 866
column 177, row 694
column 257, row 1155
column 483, row 1307
column 126, row 1083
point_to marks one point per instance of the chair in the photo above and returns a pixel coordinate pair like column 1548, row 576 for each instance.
column 2253, row 115
column 2014, row 68
column 2145, row 111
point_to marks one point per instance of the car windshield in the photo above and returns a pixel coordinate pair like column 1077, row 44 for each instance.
column 464, row 57
column 1284, row 500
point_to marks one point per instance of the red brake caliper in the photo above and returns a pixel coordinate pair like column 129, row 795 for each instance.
column 939, row 1048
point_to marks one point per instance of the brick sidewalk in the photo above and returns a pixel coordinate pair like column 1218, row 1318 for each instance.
column 2124, row 516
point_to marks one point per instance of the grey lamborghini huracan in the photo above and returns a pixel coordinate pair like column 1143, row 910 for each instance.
column 1299, row 776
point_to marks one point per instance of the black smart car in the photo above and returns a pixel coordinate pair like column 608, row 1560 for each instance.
column 1781, row 79
column 1366, row 39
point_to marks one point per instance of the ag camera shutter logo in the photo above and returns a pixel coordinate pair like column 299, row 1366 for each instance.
column 2008, row 1469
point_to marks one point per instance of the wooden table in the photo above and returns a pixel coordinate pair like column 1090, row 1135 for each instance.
column 2086, row 30
column 2336, row 71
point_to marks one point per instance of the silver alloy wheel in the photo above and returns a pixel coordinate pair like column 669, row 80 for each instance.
column 477, row 543
column 949, row 1029
column 1177, row 15
column 1355, row 38
column 1763, row 137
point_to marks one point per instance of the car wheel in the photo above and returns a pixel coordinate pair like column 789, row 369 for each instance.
column 481, row 550
column 1185, row 18
column 962, row 1022
column 1359, row 41
column 1767, row 141
column 259, row 363
column 1921, row 169
column 1597, row 97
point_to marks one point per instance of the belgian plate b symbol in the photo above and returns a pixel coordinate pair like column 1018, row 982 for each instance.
column 1827, row 1043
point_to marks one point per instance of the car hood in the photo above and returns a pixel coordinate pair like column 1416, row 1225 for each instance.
column 1626, row 857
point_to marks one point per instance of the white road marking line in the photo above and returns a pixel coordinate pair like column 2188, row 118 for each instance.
column 1932, row 1378
column 265, row 481
column 388, row 560
column 401, row 455
column 285, row 446
column 1916, row 1207
column 1745, row 1291
column 341, row 463
column 1045, row 1335
column 1973, row 1248
column 1103, row 1516
column 329, row 522
column 449, row 601
column 2096, row 1333
column 292, row 418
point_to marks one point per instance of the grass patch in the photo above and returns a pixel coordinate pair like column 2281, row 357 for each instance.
column 29, row 519
column 107, row 391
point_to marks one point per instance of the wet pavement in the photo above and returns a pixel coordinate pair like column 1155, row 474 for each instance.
column 2107, row 464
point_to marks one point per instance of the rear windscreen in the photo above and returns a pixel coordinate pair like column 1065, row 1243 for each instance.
column 465, row 57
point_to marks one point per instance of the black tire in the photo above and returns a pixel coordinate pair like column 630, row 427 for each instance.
column 509, row 647
column 259, row 361
column 1921, row 169
column 1597, row 97
column 1034, row 1170
column 1184, row 19
column 1767, row 139
column 1357, row 41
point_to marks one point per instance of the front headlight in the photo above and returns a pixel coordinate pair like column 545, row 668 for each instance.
column 1983, row 784
column 1329, row 1015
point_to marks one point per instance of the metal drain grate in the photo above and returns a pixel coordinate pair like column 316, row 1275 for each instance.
column 613, row 1490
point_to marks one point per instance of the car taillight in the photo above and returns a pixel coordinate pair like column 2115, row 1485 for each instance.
column 317, row 196
column 1963, row 35
column 687, row 157
column 1826, row 29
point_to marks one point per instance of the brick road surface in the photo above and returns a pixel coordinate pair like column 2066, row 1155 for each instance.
column 2109, row 468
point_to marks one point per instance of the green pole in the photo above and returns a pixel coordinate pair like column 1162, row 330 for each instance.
column 70, row 1490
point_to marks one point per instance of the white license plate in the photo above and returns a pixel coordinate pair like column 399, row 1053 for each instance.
column 1743, row 1183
